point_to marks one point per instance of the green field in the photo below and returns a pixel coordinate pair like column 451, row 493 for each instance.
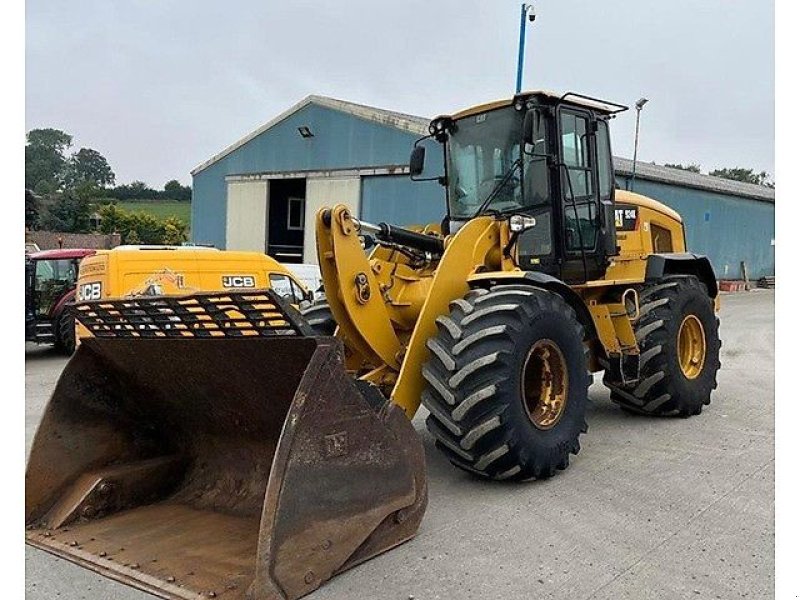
column 160, row 209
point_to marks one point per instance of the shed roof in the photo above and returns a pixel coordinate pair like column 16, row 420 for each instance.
column 660, row 173
column 419, row 126
column 398, row 120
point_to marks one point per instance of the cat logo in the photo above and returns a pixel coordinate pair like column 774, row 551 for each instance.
column 238, row 281
column 625, row 218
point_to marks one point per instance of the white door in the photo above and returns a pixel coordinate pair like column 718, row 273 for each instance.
column 327, row 191
column 245, row 223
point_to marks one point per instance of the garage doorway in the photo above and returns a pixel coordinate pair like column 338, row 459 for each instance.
column 286, row 219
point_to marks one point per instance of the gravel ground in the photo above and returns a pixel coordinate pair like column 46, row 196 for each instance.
column 650, row 509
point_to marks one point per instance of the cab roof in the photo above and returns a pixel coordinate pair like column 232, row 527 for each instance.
column 201, row 253
column 61, row 253
column 602, row 106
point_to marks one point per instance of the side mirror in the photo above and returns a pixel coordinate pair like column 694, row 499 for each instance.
column 417, row 162
column 527, row 129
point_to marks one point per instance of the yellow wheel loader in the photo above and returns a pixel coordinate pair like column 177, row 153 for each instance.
column 216, row 445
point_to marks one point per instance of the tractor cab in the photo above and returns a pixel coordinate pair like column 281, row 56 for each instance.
column 50, row 280
column 544, row 157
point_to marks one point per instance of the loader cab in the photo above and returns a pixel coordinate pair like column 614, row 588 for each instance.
column 538, row 155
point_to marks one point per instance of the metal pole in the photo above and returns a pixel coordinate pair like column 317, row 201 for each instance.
column 521, row 55
column 639, row 105
column 635, row 147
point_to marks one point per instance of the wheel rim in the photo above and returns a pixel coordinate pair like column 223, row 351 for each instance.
column 544, row 384
column 691, row 347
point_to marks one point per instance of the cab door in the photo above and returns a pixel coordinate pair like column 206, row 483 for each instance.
column 537, row 247
column 580, row 201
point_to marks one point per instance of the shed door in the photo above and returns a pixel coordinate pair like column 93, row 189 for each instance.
column 245, row 224
column 322, row 192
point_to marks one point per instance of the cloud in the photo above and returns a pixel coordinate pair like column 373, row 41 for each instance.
column 160, row 87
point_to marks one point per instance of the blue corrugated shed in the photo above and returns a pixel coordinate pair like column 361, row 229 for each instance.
column 341, row 140
column 728, row 221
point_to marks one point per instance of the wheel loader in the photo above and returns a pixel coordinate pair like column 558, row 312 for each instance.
column 218, row 445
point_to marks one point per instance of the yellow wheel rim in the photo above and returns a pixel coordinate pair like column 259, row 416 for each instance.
column 544, row 384
column 691, row 347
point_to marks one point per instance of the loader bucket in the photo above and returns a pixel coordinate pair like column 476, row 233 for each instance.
column 239, row 466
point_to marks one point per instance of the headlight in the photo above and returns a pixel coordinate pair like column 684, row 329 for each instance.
column 517, row 223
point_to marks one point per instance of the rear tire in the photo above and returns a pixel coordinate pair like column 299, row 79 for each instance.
column 320, row 318
column 65, row 333
column 668, row 385
column 507, row 383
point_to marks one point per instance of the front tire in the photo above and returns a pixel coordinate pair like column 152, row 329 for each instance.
column 507, row 383
column 65, row 333
column 678, row 336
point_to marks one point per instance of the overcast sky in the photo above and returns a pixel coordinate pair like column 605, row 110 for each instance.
column 160, row 86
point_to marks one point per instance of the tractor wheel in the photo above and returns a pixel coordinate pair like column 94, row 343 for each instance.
column 320, row 318
column 65, row 333
column 678, row 335
column 507, row 383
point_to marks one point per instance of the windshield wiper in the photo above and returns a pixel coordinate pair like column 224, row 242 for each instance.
column 500, row 185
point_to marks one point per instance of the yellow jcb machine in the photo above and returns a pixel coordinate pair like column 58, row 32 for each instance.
column 215, row 445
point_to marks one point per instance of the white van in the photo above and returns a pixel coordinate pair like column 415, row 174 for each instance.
column 310, row 276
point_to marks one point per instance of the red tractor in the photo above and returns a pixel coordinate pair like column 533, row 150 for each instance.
column 50, row 281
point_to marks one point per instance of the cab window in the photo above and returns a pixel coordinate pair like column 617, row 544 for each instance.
column 52, row 279
column 575, row 150
column 605, row 168
column 63, row 271
column 580, row 209
column 286, row 287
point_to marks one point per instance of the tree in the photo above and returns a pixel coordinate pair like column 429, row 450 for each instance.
column 132, row 238
column 176, row 231
column 88, row 166
column 54, row 139
column 745, row 175
column 69, row 212
column 142, row 228
column 692, row 168
column 32, row 210
column 112, row 219
column 174, row 190
column 138, row 187
column 45, row 162
column 148, row 227
column 134, row 190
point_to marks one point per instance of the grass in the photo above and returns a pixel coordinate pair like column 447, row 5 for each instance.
column 159, row 208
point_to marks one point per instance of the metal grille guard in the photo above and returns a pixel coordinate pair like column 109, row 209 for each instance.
column 259, row 313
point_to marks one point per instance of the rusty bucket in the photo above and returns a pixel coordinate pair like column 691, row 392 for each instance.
column 230, row 467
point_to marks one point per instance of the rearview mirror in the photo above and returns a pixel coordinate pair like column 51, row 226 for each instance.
column 417, row 162
column 527, row 128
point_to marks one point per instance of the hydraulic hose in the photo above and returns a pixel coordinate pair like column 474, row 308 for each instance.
column 396, row 235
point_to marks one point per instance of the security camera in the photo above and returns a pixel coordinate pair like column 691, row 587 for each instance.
column 531, row 13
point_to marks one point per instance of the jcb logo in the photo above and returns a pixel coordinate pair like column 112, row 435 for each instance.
column 336, row 444
column 238, row 281
column 90, row 291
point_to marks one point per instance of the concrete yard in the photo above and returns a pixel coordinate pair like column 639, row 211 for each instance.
column 650, row 508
